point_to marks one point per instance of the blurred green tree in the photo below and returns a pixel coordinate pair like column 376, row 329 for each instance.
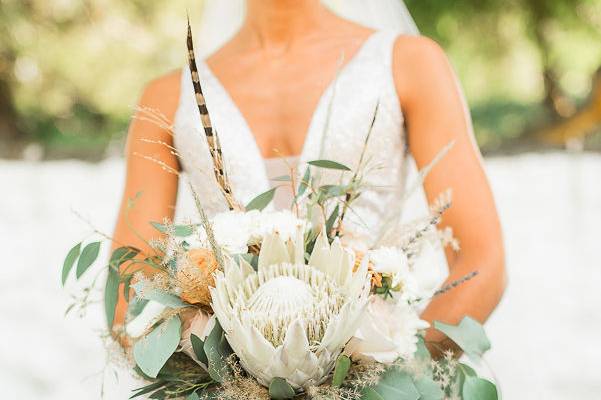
column 562, row 42
column 70, row 70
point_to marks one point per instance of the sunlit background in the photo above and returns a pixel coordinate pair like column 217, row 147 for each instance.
column 71, row 72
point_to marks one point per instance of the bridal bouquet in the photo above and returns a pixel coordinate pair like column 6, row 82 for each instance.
column 259, row 304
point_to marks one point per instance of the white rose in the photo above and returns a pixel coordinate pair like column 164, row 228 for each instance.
column 393, row 262
column 387, row 332
column 284, row 222
column 388, row 260
column 232, row 230
column 429, row 269
column 200, row 325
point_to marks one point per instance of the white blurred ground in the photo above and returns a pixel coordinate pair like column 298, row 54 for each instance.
column 546, row 334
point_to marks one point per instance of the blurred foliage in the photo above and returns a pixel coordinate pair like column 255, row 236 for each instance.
column 71, row 70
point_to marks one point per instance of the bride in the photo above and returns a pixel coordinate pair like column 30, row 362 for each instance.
column 298, row 82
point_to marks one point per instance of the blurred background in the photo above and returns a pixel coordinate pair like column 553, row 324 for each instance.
column 70, row 75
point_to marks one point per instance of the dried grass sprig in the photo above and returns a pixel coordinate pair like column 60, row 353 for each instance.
column 154, row 116
column 456, row 283
column 164, row 166
column 206, row 224
column 355, row 179
column 439, row 206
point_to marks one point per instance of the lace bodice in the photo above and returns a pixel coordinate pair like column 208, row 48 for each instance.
column 365, row 82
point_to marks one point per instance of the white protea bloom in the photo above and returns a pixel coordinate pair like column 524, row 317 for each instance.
column 288, row 319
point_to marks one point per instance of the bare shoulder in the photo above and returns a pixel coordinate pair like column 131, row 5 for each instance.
column 163, row 93
column 419, row 61
column 420, row 48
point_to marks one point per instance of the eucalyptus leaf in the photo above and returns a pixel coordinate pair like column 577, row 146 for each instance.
column 178, row 230
column 261, row 201
column 343, row 364
column 475, row 388
column 329, row 164
column 127, row 287
column 279, row 389
column 164, row 298
column 89, row 254
column 153, row 350
column 136, row 306
column 469, row 335
column 193, row 396
column 396, row 385
column 422, row 353
column 111, row 295
column 283, row 178
column 371, row 394
column 332, row 219
column 428, row 389
column 304, row 183
column 467, row 370
column 198, row 347
column 121, row 255
column 217, row 351
column 69, row 261
column 329, row 191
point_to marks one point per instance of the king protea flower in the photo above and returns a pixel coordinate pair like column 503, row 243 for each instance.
column 289, row 319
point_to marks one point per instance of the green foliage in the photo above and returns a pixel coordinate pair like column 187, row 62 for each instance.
column 261, row 201
column 343, row 364
column 304, row 183
column 153, row 350
column 60, row 75
column 178, row 230
column 217, row 351
column 476, row 388
column 393, row 384
column 111, row 296
column 70, row 261
column 283, row 178
column 279, row 389
column 111, row 289
column 469, row 335
column 198, row 347
column 329, row 164
column 164, row 298
column 428, row 389
column 89, row 254
column 332, row 219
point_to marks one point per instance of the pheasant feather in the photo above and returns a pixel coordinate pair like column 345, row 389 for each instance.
column 210, row 133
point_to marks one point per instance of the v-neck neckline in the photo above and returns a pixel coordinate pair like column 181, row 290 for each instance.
column 320, row 103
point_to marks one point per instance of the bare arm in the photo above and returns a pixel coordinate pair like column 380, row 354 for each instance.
column 436, row 114
column 156, row 187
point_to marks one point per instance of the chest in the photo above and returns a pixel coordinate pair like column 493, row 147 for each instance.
column 278, row 98
column 340, row 125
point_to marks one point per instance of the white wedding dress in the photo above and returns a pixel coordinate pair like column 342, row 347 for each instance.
column 337, row 132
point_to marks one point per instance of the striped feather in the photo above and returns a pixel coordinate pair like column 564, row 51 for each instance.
column 210, row 134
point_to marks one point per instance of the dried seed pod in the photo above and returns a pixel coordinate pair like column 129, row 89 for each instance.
column 195, row 276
